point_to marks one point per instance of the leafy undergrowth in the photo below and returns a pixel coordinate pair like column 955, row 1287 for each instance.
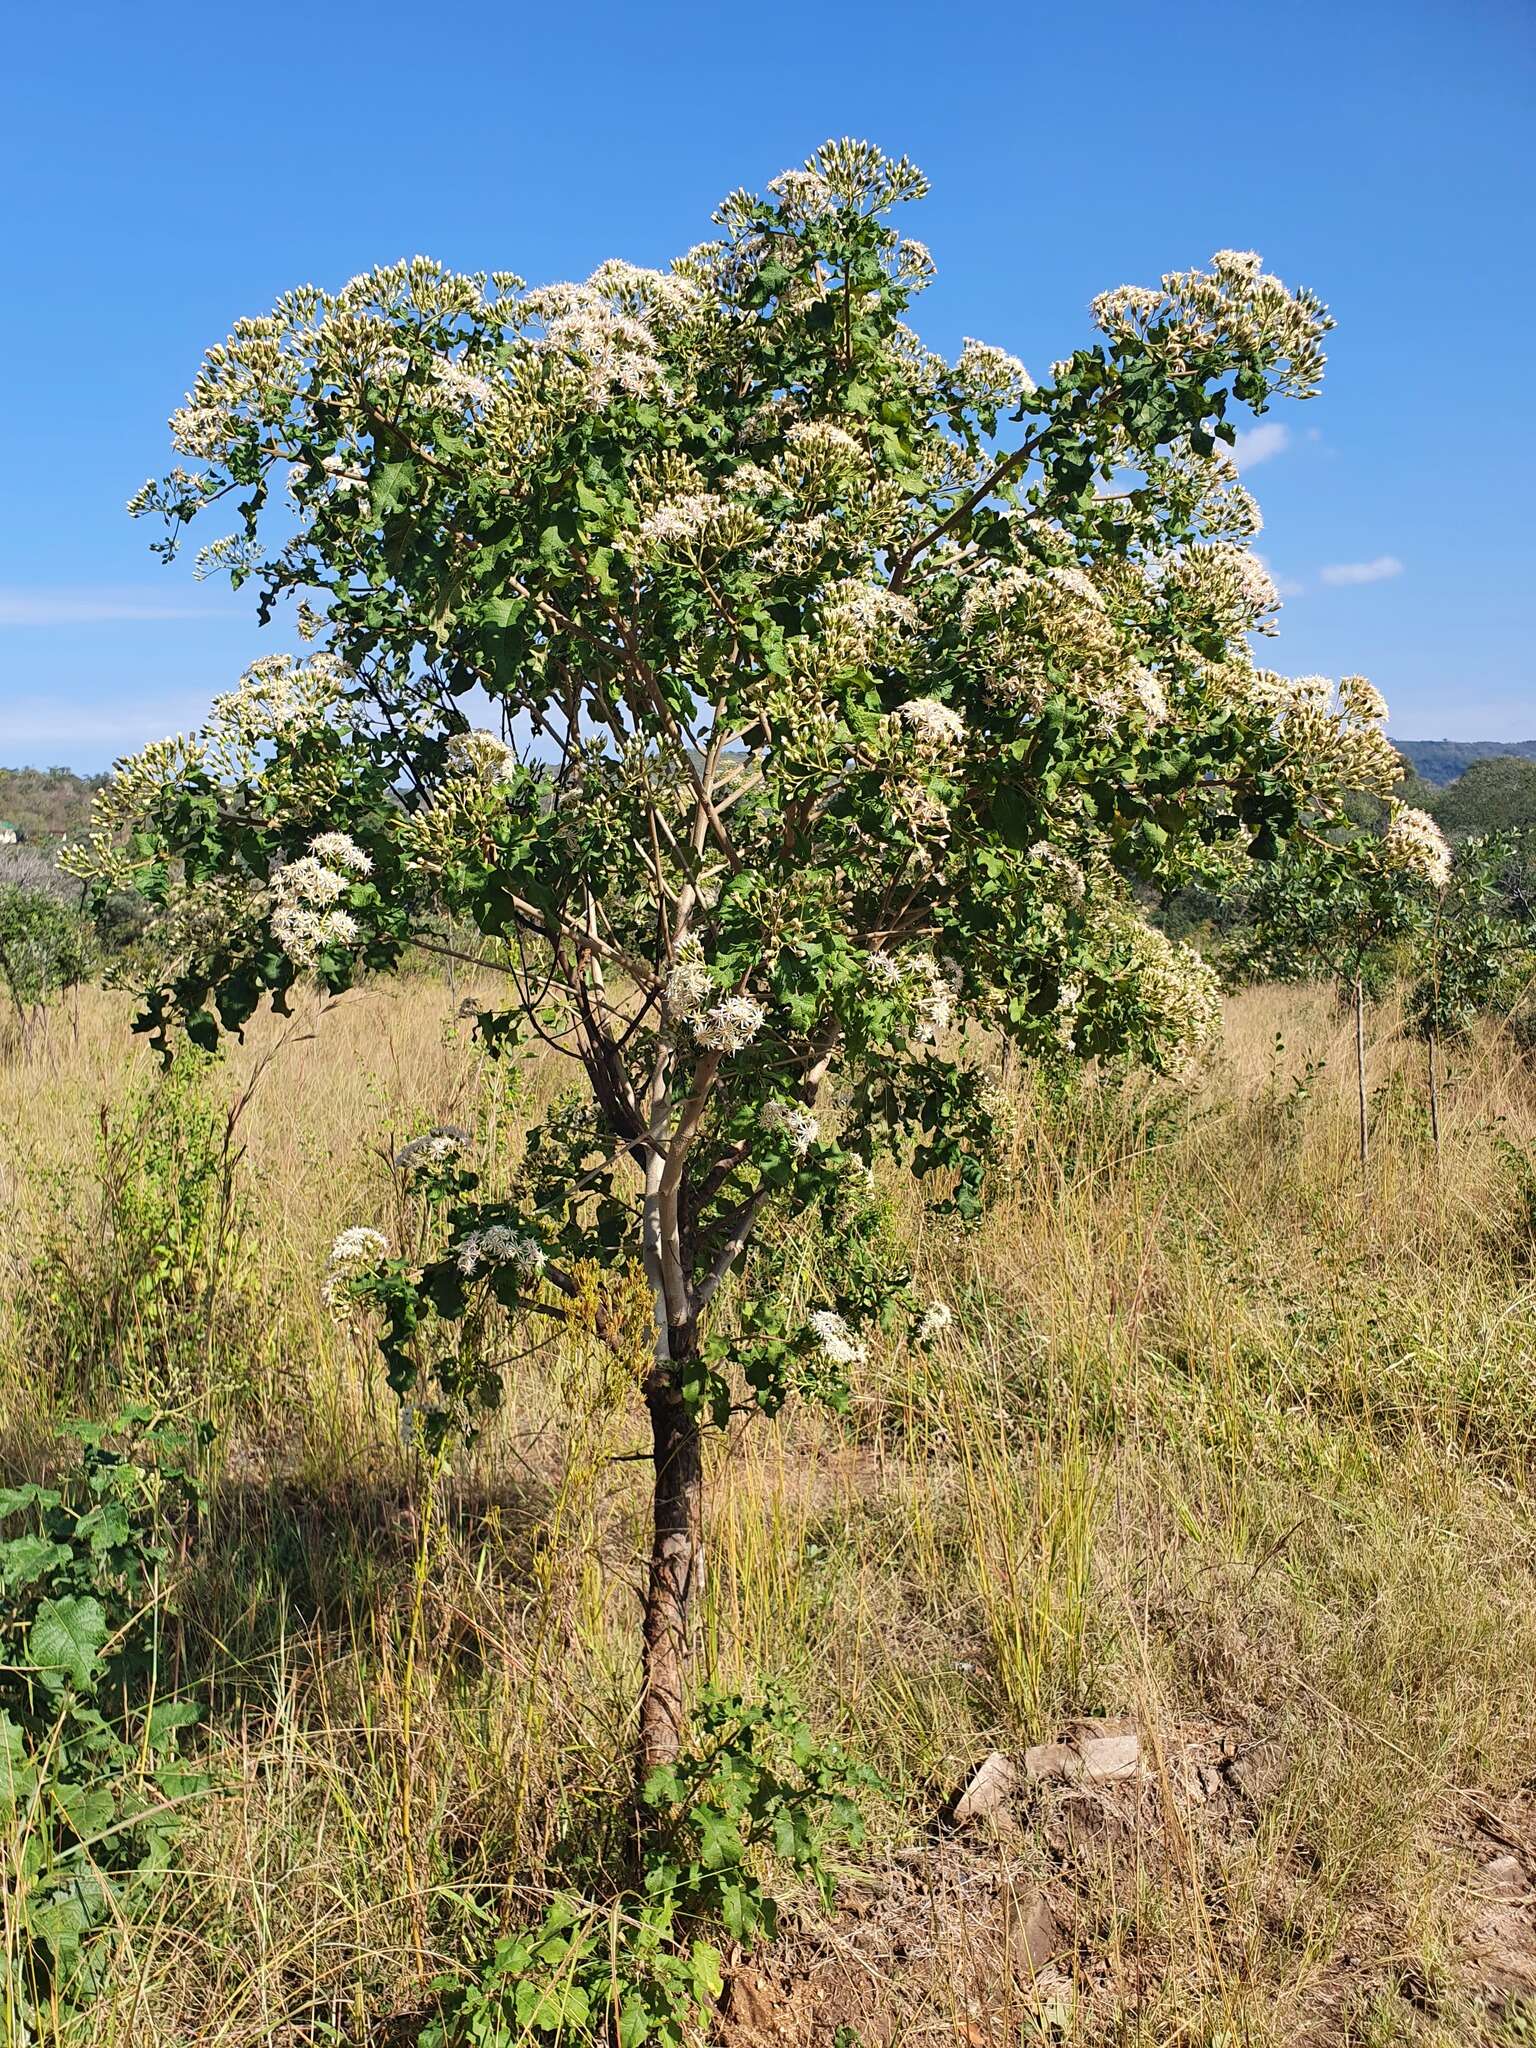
column 1222, row 1443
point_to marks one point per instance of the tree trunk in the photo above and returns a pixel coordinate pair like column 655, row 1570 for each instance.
column 1365, row 1121
column 676, row 1579
column 1434, row 1096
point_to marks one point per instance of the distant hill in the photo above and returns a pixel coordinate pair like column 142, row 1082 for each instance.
column 46, row 803
column 1441, row 761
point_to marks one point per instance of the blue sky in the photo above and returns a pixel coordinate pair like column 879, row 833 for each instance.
column 169, row 168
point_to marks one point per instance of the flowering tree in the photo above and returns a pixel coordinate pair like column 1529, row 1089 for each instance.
column 1342, row 903
column 841, row 698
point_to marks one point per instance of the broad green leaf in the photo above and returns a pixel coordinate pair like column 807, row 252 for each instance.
column 66, row 1638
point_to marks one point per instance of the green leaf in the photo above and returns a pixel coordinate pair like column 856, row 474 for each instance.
column 166, row 1716
column 14, row 1498
column 393, row 485
column 26, row 1558
column 90, row 1810
column 65, row 1640
column 708, row 1978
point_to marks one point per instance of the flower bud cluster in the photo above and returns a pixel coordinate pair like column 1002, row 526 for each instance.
column 1236, row 302
column 1414, row 844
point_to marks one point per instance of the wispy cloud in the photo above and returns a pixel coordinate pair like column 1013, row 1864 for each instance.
column 90, row 735
column 1379, row 570
column 93, row 605
column 1258, row 444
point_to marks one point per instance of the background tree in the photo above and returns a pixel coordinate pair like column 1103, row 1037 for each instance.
column 843, row 695
column 1498, row 795
column 1474, row 951
column 1342, row 904
column 45, row 949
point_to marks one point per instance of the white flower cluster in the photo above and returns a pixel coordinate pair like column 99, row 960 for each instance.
column 821, row 459
column 202, row 431
column 689, row 985
column 1176, row 987
column 1414, row 844
column 936, row 730
column 1230, row 582
column 498, row 1245
column 305, row 919
column 932, row 989
column 730, row 1024
column 355, row 1254
column 803, row 195
column 796, row 1124
column 608, row 352
column 277, row 696
column 1361, row 701
column 1037, row 625
column 1340, row 743
column 928, row 987
column 459, row 384
column 1065, row 872
column 698, row 520
column 1203, row 492
column 872, row 614
column 339, row 851
column 480, row 756
column 1028, row 588
column 137, row 782
column 437, row 1147
column 823, row 438
column 991, row 377
column 925, row 815
column 836, row 1341
column 235, row 553
column 1145, row 689
column 1236, row 300
column 645, row 293
column 933, row 1322
column 914, row 262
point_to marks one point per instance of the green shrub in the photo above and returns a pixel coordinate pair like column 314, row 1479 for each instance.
column 92, row 1790
column 642, row 1968
column 144, row 1267
column 45, row 948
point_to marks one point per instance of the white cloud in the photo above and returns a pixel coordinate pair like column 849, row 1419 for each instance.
column 1380, row 570
column 92, row 605
column 1259, row 443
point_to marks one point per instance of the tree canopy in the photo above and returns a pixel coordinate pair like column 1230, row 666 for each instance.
column 800, row 713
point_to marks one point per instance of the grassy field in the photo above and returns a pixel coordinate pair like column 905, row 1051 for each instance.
column 1225, row 1444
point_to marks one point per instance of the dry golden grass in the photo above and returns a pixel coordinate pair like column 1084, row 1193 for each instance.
column 1224, row 1438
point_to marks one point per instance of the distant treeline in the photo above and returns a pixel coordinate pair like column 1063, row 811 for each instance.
column 1441, row 761
column 1495, row 793
column 46, row 803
